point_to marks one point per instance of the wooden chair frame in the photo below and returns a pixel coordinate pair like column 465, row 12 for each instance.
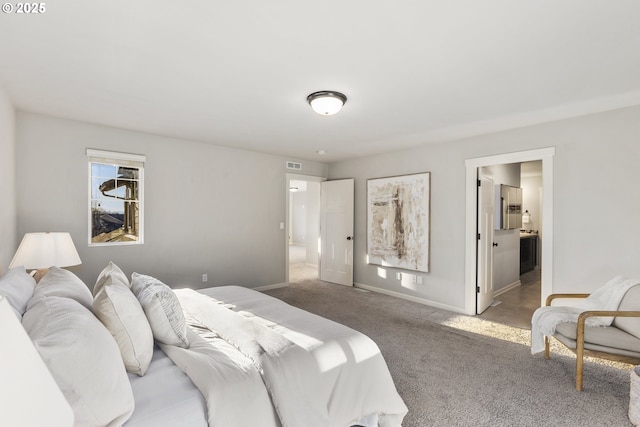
column 580, row 351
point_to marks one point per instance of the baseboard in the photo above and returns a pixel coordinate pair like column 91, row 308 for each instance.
column 270, row 287
column 507, row 288
column 419, row 300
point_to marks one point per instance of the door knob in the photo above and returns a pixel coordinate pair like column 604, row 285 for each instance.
column 495, row 244
column 349, row 238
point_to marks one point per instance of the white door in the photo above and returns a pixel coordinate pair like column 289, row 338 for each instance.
column 336, row 231
column 485, row 244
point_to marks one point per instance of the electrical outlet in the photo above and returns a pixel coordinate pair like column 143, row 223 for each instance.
column 398, row 276
column 205, row 277
column 419, row 280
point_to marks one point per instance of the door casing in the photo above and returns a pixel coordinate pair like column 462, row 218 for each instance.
column 471, row 218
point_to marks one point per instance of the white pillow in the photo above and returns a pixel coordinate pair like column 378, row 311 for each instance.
column 119, row 310
column 62, row 283
column 84, row 360
column 17, row 286
column 111, row 270
column 162, row 308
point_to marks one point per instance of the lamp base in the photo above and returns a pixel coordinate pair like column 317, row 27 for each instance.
column 39, row 273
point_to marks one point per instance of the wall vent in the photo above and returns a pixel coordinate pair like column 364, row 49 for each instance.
column 294, row 165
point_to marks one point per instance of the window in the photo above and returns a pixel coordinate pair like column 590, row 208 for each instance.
column 115, row 198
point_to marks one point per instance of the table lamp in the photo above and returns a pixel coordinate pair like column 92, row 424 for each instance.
column 39, row 251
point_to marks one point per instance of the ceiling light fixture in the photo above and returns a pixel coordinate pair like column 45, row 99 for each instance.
column 326, row 102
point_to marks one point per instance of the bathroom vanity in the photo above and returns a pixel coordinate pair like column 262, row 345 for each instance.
column 528, row 250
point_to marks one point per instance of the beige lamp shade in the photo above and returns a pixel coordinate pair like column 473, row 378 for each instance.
column 29, row 395
column 43, row 250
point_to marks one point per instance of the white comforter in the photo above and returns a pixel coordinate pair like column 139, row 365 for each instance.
column 263, row 362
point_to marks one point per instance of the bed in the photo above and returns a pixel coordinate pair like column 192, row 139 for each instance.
column 138, row 353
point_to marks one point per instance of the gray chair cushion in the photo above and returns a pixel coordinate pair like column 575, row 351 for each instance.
column 630, row 302
column 607, row 337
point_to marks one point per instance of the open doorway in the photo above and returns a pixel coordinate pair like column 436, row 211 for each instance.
column 514, row 252
column 545, row 216
column 303, row 227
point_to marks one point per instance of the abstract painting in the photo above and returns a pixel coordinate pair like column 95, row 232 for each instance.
column 398, row 211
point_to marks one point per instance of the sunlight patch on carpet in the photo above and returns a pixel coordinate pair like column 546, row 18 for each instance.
column 489, row 329
column 518, row 336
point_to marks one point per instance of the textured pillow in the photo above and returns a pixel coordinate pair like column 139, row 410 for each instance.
column 62, row 283
column 111, row 270
column 17, row 286
column 119, row 310
column 83, row 359
column 162, row 308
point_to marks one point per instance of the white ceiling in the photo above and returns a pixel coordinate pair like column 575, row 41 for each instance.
column 238, row 73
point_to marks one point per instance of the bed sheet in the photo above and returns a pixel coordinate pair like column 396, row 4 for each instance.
column 339, row 351
column 165, row 396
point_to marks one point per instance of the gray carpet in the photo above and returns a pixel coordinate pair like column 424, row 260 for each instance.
column 455, row 370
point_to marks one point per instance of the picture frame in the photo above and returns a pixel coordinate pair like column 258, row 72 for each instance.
column 398, row 221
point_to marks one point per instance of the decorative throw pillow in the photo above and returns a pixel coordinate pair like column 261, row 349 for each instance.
column 119, row 310
column 83, row 359
column 111, row 270
column 162, row 308
column 17, row 286
column 62, row 283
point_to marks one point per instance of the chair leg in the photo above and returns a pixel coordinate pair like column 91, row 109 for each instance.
column 579, row 353
column 546, row 348
column 579, row 369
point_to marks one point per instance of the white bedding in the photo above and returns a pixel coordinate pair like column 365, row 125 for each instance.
column 166, row 396
column 316, row 372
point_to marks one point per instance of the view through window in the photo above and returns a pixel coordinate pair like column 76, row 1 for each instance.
column 115, row 205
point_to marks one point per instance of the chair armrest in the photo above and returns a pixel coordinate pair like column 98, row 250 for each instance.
column 603, row 313
column 554, row 296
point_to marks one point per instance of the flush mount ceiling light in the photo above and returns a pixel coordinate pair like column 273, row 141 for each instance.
column 326, row 102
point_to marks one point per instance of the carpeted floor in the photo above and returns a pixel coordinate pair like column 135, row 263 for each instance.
column 456, row 370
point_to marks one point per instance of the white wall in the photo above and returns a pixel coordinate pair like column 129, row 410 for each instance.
column 208, row 209
column 8, row 235
column 531, row 194
column 299, row 217
column 596, row 175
